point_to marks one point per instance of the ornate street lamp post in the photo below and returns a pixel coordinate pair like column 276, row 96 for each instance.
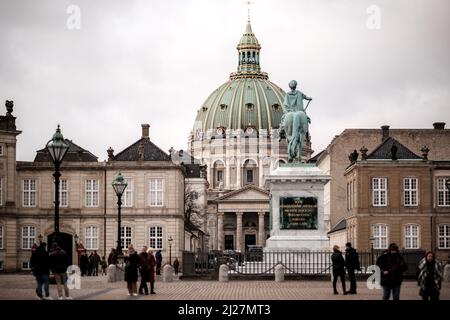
column 119, row 184
column 57, row 147
column 170, row 249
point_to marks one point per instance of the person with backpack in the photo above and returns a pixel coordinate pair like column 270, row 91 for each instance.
column 351, row 264
column 59, row 262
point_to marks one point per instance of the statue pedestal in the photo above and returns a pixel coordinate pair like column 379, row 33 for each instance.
column 297, row 208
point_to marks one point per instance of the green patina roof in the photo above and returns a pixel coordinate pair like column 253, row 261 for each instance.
column 247, row 99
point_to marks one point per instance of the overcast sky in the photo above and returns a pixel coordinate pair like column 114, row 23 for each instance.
column 155, row 62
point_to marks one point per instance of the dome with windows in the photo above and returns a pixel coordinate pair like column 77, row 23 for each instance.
column 248, row 101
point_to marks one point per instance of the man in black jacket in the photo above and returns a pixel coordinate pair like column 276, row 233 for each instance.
column 59, row 262
column 351, row 264
column 41, row 269
column 392, row 267
column 338, row 269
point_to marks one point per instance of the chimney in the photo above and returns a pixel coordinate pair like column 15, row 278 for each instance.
column 145, row 130
column 385, row 130
column 439, row 125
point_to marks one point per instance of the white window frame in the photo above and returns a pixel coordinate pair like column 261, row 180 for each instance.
column 444, row 236
column 92, row 193
column 126, row 236
column 2, row 236
column 156, row 193
column 380, row 241
column 155, row 237
column 443, row 193
column 378, row 191
column 128, row 195
column 410, row 192
column 28, row 237
column 29, row 194
column 28, row 267
column 91, row 237
column 409, row 237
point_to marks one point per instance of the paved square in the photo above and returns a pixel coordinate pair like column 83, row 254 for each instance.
column 21, row 287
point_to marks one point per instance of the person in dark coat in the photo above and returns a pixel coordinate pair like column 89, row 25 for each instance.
column 392, row 267
column 112, row 258
column 144, row 270
column 84, row 263
column 351, row 264
column 158, row 257
column 90, row 264
column 95, row 263
column 429, row 277
column 104, row 265
column 40, row 267
column 176, row 265
column 131, row 260
column 152, row 260
column 59, row 262
column 338, row 269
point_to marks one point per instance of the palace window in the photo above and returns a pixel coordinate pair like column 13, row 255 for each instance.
column 444, row 236
column 380, row 235
column 28, row 237
column 29, row 193
column 91, row 237
column 157, row 192
column 410, row 192
column 2, row 152
column 412, row 236
column 1, row 191
column 156, row 237
column 379, row 192
column 92, row 193
column 128, row 194
column 26, row 265
column 63, row 193
column 443, row 193
column 249, row 176
column 126, row 236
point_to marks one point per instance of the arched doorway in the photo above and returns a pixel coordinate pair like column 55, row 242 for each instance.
column 65, row 241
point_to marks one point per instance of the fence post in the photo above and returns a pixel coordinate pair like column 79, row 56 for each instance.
column 223, row 273
column 279, row 273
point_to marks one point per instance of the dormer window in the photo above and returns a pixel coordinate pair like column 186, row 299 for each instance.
column 250, row 106
column 276, row 107
column 205, row 109
column 220, row 130
column 223, row 107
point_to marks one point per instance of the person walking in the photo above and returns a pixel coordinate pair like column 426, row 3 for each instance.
column 112, row 258
column 338, row 269
column 90, row 266
column 104, row 266
column 176, row 265
column 392, row 267
column 131, row 260
column 158, row 257
column 351, row 264
column 40, row 267
column 59, row 262
column 144, row 269
column 429, row 277
column 152, row 264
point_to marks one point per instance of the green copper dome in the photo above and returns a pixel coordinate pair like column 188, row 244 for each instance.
column 247, row 100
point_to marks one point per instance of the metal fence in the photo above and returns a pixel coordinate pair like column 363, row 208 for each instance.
column 295, row 262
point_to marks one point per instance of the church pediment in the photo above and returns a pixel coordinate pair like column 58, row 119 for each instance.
column 248, row 193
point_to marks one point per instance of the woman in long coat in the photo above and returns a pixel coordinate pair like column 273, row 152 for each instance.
column 429, row 277
column 152, row 260
column 131, row 270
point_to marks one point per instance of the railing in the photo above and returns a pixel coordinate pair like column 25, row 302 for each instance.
column 295, row 262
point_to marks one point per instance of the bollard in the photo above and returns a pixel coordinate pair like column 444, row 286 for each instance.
column 223, row 273
column 279, row 273
column 111, row 273
column 447, row 273
column 168, row 272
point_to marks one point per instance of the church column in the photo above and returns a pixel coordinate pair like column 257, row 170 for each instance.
column 238, row 175
column 220, row 236
column 261, row 229
column 239, row 231
column 227, row 175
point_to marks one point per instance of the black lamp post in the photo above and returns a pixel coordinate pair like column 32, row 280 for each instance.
column 57, row 148
column 170, row 249
column 119, row 184
column 76, row 240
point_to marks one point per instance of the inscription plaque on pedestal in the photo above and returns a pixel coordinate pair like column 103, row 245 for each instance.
column 298, row 213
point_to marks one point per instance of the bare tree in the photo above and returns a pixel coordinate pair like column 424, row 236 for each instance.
column 194, row 216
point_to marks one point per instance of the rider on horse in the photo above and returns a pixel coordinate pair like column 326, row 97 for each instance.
column 293, row 101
